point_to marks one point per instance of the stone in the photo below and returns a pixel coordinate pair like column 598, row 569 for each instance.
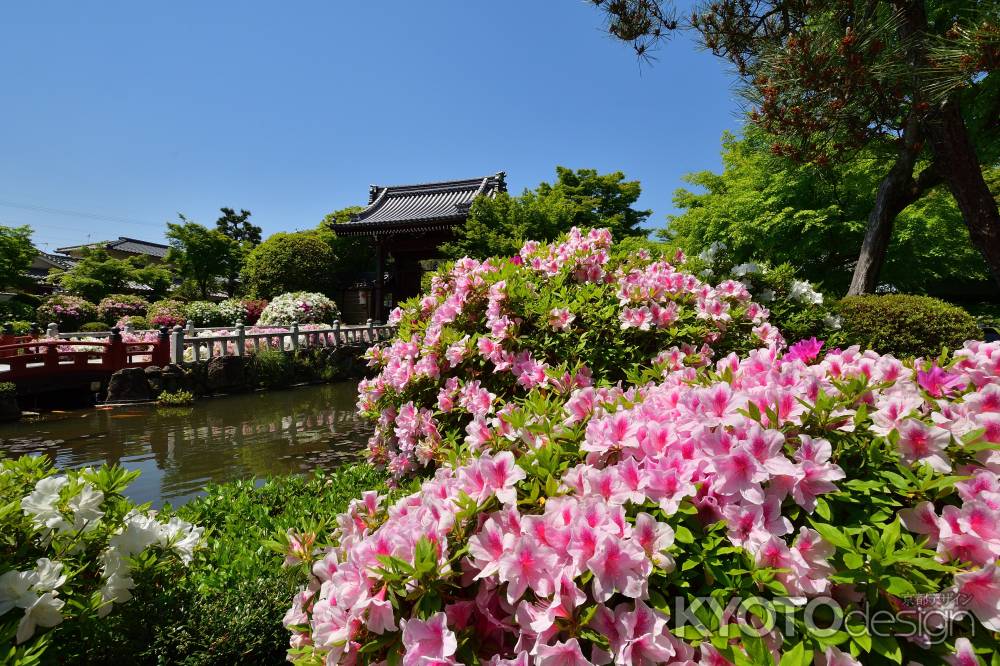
column 129, row 385
column 225, row 373
column 154, row 375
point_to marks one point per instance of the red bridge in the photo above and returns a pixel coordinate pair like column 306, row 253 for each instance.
column 37, row 365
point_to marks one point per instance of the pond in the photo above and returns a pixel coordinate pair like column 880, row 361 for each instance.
column 179, row 450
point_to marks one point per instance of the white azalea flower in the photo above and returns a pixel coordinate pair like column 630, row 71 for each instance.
column 832, row 321
column 43, row 612
column 803, row 292
column 746, row 269
column 182, row 536
column 765, row 296
column 140, row 532
column 86, row 508
column 48, row 575
column 40, row 505
column 15, row 590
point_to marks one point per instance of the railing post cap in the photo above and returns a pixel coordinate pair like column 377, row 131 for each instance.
column 178, row 327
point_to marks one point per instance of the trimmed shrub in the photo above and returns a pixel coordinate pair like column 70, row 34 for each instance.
column 288, row 262
column 20, row 327
column 137, row 323
column 904, row 325
column 204, row 313
column 166, row 313
column 272, row 368
column 94, row 327
column 19, row 307
column 175, row 398
column 112, row 308
column 8, row 389
column 300, row 306
column 68, row 312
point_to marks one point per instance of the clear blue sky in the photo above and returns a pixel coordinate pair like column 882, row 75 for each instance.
column 138, row 111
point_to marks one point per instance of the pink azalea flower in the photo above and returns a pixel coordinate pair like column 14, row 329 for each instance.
column 619, row 566
column 919, row 442
column 427, row 640
column 937, row 382
column 561, row 654
column 981, row 591
column 964, row 654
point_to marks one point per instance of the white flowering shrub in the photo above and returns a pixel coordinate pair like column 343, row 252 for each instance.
column 299, row 306
column 232, row 311
column 71, row 547
column 797, row 308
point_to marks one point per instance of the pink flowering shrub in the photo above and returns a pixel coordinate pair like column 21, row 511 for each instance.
column 166, row 313
column 554, row 318
column 113, row 308
column 67, row 312
column 633, row 524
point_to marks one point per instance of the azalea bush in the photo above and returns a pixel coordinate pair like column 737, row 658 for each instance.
column 166, row 313
column 253, row 308
column 758, row 510
column 555, row 316
column 113, row 308
column 796, row 306
column 204, row 313
column 134, row 322
column 67, row 312
column 232, row 312
column 693, row 501
column 71, row 547
column 299, row 306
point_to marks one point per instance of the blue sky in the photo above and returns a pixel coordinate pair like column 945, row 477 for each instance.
column 137, row 111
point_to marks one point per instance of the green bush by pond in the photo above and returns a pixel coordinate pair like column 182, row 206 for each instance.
column 228, row 607
column 904, row 325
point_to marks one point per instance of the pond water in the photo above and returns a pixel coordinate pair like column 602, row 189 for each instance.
column 179, row 450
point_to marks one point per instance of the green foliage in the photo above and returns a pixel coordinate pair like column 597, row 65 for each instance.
column 98, row 274
column 271, row 368
column 355, row 255
column 904, row 325
column 19, row 306
column 245, row 235
column 768, row 208
column 20, row 327
column 201, row 255
column 499, row 226
column 178, row 398
column 135, row 322
column 94, row 327
column 228, row 609
column 16, row 254
column 204, row 313
column 8, row 389
column 289, row 262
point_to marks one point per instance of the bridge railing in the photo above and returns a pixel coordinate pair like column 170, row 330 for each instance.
column 24, row 357
column 240, row 341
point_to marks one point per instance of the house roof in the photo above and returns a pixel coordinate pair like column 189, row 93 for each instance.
column 428, row 206
column 125, row 244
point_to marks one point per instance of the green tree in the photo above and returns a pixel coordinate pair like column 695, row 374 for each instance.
column 200, row 255
column 769, row 207
column 582, row 198
column 299, row 261
column 98, row 274
column 16, row 254
column 917, row 80
column 245, row 234
column 354, row 254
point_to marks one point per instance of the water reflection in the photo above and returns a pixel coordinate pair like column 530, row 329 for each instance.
column 179, row 450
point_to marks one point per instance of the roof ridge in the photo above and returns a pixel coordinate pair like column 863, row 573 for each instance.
column 138, row 240
column 439, row 183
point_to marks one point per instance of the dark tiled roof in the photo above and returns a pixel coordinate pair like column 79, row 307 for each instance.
column 125, row 244
column 135, row 246
column 59, row 260
column 431, row 205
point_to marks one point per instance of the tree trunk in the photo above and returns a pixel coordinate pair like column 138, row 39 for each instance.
column 896, row 191
column 956, row 157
